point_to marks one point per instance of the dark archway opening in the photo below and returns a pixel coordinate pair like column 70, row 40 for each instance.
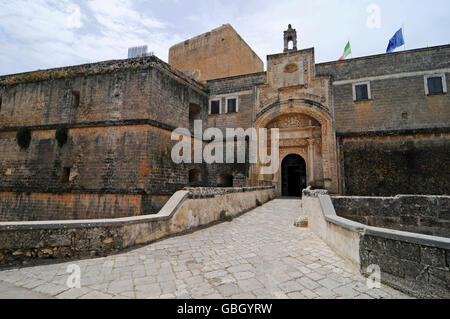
column 194, row 114
column 293, row 175
column 195, row 176
column 225, row 180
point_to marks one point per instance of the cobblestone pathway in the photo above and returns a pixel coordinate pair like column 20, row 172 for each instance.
column 258, row 255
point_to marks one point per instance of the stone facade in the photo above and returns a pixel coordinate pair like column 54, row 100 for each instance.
column 120, row 116
column 396, row 142
column 299, row 104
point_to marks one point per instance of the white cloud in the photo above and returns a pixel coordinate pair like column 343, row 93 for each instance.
column 51, row 33
column 74, row 19
column 117, row 16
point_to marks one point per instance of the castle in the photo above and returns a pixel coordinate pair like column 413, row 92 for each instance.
column 376, row 125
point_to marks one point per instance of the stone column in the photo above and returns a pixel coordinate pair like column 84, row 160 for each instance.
column 311, row 143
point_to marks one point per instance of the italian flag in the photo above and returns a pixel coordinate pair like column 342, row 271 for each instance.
column 347, row 51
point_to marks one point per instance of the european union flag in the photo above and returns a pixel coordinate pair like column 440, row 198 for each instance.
column 396, row 41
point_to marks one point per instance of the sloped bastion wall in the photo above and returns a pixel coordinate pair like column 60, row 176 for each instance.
column 186, row 210
column 428, row 215
column 414, row 263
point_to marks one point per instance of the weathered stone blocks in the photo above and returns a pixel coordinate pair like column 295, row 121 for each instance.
column 418, row 214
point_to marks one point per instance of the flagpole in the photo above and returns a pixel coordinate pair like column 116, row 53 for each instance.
column 351, row 52
column 404, row 38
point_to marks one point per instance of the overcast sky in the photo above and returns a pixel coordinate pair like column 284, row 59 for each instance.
column 41, row 34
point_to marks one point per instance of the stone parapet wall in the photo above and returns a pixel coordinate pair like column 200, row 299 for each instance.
column 429, row 215
column 413, row 263
column 385, row 64
column 236, row 83
column 119, row 90
column 186, row 210
column 48, row 206
column 340, row 234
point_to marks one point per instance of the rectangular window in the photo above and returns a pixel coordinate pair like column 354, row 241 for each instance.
column 215, row 107
column 75, row 99
column 362, row 92
column 435, row 85
column 231, row 106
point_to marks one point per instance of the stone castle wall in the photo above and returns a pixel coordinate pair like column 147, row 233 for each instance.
column 396, row 142
column 143, row 88
column 117, row 159
column 216, row 54
column 119, row 131
column 17, row 207
column 119, row 138
column 400, row 164
column 398, row 100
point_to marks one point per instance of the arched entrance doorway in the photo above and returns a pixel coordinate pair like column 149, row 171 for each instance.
column 293, row 175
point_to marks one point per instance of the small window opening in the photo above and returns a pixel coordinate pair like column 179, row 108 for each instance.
column 65, row 176
column 231, row 106
column 75, row 98
column 435, row 85
column 362, row 92
column 215, row 107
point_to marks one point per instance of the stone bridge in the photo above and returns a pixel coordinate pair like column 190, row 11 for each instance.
column 257, row 255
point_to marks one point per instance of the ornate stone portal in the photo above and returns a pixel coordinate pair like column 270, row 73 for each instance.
column 294, row 100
